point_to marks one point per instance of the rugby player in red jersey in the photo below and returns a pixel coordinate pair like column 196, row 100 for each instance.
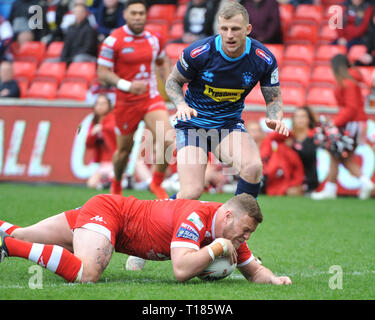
column 78, row 244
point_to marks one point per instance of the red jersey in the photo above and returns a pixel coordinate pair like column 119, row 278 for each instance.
column 150, row 228
column 132, row 57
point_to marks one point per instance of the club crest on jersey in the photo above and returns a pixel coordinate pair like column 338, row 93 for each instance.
column 260, row 53
column 246, row 79
column 197, row 51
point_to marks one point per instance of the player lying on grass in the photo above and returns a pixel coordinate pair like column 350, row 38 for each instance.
column 78, row 244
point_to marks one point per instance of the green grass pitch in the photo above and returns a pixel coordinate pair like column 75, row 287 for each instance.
column 299, row 237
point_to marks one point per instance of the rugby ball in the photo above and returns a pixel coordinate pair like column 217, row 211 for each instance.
column 218, row 269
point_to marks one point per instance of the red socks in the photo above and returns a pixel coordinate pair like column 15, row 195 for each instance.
column 158, row 178
column 52, row 257
column 7, row 227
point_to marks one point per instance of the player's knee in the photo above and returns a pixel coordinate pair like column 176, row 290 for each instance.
column 252, row 170
column 90, row 274
column 19, row 234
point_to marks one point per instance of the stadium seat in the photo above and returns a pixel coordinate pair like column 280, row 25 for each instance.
column 31, row 51
column 299, row 33
column 322, row 75
column 42, row 90
column 181, row 11
column 161, row 12
column 24, row 69
column 321, row 96
column 255, row 97
column 161, row 28
column 277, row 50
column 308, row 13
column 356, row 51
column 286, row 11
column 326, row 52
column 51, row 71
column 297, row 54
column 81, row 71
column 327, row 34
column 54, row 50
column 297, row 75
column 176, row 31
column 173, row 51
column 293, row 95
column 23, row 84
column 71, row 90
column 367, row 73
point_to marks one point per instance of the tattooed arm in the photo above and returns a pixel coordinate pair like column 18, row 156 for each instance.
column 274, row 105
column 173, row 87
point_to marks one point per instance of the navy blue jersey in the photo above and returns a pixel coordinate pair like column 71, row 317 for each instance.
column 219, row 84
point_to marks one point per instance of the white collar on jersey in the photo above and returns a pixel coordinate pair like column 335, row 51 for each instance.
column 213, row 226
column 126, row 28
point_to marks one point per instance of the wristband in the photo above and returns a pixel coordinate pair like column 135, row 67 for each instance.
column 218, row 248
column 124, row 85
column 211, row 253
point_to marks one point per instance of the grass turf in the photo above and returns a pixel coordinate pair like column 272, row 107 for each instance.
column 299, row 237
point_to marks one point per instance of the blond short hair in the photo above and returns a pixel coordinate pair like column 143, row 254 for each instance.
column 245, row 203
column 233, row 8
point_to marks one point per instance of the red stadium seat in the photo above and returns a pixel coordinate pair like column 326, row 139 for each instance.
column 297, row 75
column 293, row 96
column 321, row 96
column 81, row 71
column 301, row 34
column 42, row 90
column 322, row 75
column 297, row 54
column 356, row 51
column 31, row 51
column 173, row 51
column 181, row 11
column 71, row 90
column 327, row 34
column 51, row 71
column 308, row 13
column 176, row 31
column 161, row 28
column 286, row 11
column 277, row 50
column 163, row 12
column 54, row 49
column 255, row 97
column 325, row 53
column 23, row 84
column 367, row 73
column 24, row 69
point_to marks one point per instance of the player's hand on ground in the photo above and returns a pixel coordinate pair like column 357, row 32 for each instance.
column 277, row 126
column 184, row 113
column 281, row 280
column 138, row 87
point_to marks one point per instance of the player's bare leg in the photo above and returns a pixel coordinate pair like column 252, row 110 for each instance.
column 95, row 252
column 120, row 160
column 53, row 230
column 239, row 150
column 191, row 167
column 163, row 134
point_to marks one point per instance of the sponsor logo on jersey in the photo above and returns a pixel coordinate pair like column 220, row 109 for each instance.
column 194, row 218
column 197, row 51
column 275, row 76
column 221, row 94
column 208, row 76
column 106, row 53
column 189, row 227
column 98, row 219
column 260, row 53
column 187, row 234
column 110, row 41
column 128, row 39
column 127, row 50
column 183, row 62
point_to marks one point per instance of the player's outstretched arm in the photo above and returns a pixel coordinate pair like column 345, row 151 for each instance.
column 274, row 105
column 257, row 273
column 173, row 87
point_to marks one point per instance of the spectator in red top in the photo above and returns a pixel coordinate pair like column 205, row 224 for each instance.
column 357, row 17
column 351, row 118
column 101, row 139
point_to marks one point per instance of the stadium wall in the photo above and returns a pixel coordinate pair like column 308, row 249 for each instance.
column 44, row 141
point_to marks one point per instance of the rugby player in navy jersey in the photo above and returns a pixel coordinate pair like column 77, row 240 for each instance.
column 220, row 71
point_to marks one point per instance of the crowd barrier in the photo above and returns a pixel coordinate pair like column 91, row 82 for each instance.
column 44, row 141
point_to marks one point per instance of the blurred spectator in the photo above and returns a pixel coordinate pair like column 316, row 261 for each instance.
column 302, row 142
column 198, row 20
column 97, row 89
column 23, row 18
column 282, row 167
column 109, row 16
column 255, row 130
column 265, row 18
column 368, row 59
column 21, row 38
column 6, row 35
column 80, row 42
column 101, row 138
column 151, row 2
column 357, row 16
column 352, row 119
column 371, row 96
column 8, row 86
